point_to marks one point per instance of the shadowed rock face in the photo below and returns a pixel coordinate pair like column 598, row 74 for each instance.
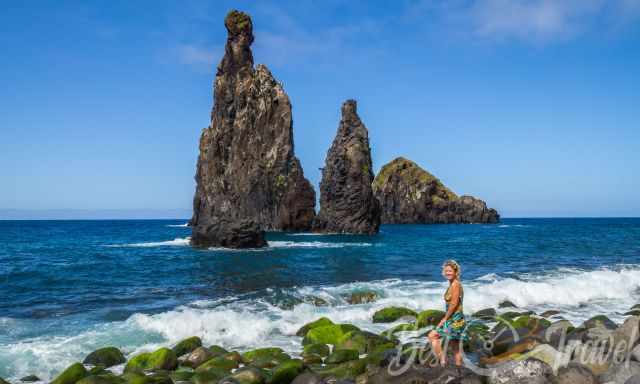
column 248, row 179
column 347, row 204
column 408, row 194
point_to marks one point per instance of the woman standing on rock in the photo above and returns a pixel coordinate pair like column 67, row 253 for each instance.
column 452, row 325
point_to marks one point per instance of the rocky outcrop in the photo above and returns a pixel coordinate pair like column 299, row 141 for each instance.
column 248, row 179
column 347, row 203
column 408, row 194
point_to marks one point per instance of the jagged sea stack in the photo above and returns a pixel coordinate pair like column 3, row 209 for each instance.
column 248, row 179
column 410, row 195
column 347, row 203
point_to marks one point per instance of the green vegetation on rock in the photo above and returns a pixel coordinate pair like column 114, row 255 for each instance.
column 187, row 345
column 217, row 350
column 106, row 357
column 218, row 362
column 314, row 324
column 429, row 317
column 391, row 314
column 107, row 378
column 261, row 353
column 249, row 375
column 163, row 358
column 211, row 376
column 316, row 349
column 342, row 355
column 71, row 375
column 412, row 174
column 285, row 372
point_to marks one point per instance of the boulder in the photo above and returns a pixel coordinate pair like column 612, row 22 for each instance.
column 391, row 314
column 71, row 375
column 425, row 375
column 248, row 179
column 187, row 345
column 263, row 353
column 106, row 357
column 347, row 203
column 108, row 378
column 314, row 324
column 485, row 314
column 286, row 371
column 218, row 363
column 429, row 317
column 217, row 350
column 362, row 297
column 528, row 371
column 163, row 358
column 342, row 355
column 308, row 378
column 599, row 321
column 197, row 357
column 408, row 195
column 249, row 375
column 574, row 373
column 549, row 313
column 328, row 334
column 620, row 373
column 30, row 379
column 316, row 349
column 506, row 304
column 210, row 376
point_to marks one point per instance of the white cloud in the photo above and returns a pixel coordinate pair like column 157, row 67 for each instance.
column 530, row 21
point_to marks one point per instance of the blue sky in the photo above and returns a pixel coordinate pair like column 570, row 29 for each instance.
column 530, row 105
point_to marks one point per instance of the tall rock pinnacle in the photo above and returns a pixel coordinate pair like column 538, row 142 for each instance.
column 347, row 203
column 248, row 179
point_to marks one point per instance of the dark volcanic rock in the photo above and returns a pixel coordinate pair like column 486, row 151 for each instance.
column 347, row 203
column 408, row 194
column 248, row 179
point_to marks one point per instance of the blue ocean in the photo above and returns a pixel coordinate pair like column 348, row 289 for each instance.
column 69, row 287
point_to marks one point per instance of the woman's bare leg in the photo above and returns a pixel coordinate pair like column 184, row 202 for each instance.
column 457, row 347
column 434, row 338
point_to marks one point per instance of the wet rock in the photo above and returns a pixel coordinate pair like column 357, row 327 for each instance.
column 106, row 357
column 391, row 314
column 429, row 317
column 107, row 378
column 485, row 314
column 347, row 203
column 217, row 350
column 314, row 324
column 556, row 332
column 187, row 345
column 317, row 349
column 263, row 353
column 286, row 371
column 163, row 358
column 197, row 357
column 249, row 375
column 328, row 334
column 574, row 373
column 210, row 376
column 362, row 297
column 550, row 313
column 529, row 371
column 599, row 321
column 71, row 375
column 426, row 375
column 620, row 373
column 506, row 304
column 341, row 356
column 408, row 194
column 308, row 378
column 248, row 179
column 218, row 363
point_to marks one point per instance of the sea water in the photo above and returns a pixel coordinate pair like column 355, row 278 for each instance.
column 69, row 287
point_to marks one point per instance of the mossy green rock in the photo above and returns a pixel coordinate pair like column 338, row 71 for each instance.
column 530, row 322
column 102, row 379
column 599, row 321
column 311, row 359
column 218, row 362
column 322, row 350
column 429, row 317
column 328, row 334
column 285, row 372
column 106, row 357
column 217, row 350
column 348, row 370
column 391, row 314
column 400, row 328
column 361, row 341
column 342, row 355
column 314, row 324
column 182, row 375
column 141, row 378
column 71, row 375
column 3, row 381
column 187, row 345
column 211, row 376
column 261, row 353
column 163, row 358
column 234, row 356
column 249, row 375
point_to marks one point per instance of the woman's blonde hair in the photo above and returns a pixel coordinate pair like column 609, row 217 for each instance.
column 454, row 265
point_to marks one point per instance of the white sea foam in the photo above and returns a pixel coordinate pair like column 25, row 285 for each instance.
column 243, row 323
column 314, row 244
column 177, row 242
column 185, row 225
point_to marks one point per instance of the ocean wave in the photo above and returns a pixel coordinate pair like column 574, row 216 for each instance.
column 177, row 242
column 253, row 320
column 185, row 225
column 314, row 244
